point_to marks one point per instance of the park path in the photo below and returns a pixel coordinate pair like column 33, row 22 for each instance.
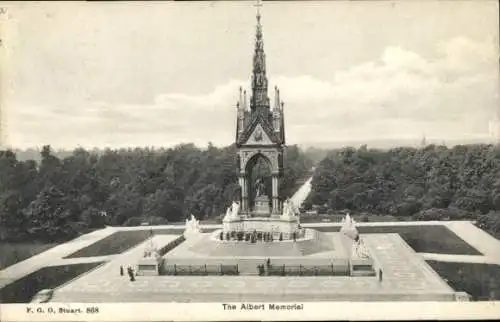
column 479, row 259
column 488, row 245
column 52, row 256
column 301, row 194
column 477, row 238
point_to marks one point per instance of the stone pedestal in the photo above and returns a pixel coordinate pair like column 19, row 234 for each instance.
column 149, row 263
column 148, row 266
column 192, row 227
column 261, row 206
column 362, row 267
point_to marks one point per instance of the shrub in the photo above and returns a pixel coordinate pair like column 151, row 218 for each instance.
column 307, row 204
column 322, row 209
column 490, row 223
column 154, row 220
column 133, row 221
column 443, row 214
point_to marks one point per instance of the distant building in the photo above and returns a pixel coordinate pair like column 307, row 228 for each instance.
column 423, row 143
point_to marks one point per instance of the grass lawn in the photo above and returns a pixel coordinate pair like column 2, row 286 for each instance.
column 120, row 242
column 23, row 290
column 423, row 239
column 11, row 253
column 338, row 218
column 481, row 281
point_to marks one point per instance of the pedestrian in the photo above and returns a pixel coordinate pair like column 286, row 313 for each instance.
column 268, row 262
column 121, row 270
column 131, row 274
column 380, row 275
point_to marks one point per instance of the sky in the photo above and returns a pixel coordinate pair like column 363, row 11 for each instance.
column 159, row 74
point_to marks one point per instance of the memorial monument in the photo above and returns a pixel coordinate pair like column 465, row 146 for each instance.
column 260, row 136
column 260, row 222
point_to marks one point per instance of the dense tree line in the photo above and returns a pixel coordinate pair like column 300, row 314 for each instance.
column 430, row 183
column 55, row 199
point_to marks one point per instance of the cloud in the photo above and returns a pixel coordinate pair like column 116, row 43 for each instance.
column 401, row 94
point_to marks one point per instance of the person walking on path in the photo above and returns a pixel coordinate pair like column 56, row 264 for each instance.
column 131, row 274
column 121, row 270
column 380, row 275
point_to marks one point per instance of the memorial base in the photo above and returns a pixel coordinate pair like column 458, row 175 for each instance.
column 287, row 228
column 261, row 207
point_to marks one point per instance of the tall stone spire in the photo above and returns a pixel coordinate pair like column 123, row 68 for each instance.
column 259, row 101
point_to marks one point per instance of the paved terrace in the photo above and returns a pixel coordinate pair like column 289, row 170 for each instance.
column 206, row 245
column 321, row 249
column 401, row 266
column 408, row 278
column 466, row 230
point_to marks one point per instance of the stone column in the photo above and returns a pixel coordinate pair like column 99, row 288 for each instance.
column 275, row 194
column 244, row 192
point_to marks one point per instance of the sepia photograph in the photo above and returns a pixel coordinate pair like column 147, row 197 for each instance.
column 258, row 160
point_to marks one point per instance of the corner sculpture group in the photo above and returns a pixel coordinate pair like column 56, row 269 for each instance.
column 349, row 229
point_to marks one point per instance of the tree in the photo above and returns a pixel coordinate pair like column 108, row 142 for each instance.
column 12, row 219
column 93, row 218
column 48, row 219
column 123, row 204
column 159, row 204
column 50, row 168
column 130, row 185
column 406, row 181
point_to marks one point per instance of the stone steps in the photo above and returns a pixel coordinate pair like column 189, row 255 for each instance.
column 249, row 266
column 319, row 242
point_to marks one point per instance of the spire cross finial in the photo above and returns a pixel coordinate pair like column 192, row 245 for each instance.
column 258, row 4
